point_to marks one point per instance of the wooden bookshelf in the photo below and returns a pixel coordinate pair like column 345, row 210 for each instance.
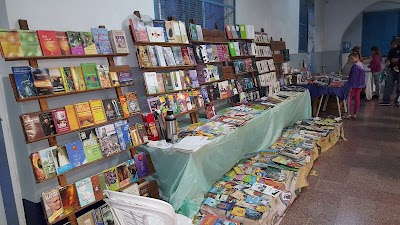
column 67, row 57
column 213, row 63
column 171, row 92
column 263, row 57
column 262, row 44
column 164, row 44
column 241, row 39
column 244, row 73
column 243, row 57
column 164, row 68
column 210, row 42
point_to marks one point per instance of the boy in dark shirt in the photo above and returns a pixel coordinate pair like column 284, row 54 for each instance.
column 393, row 76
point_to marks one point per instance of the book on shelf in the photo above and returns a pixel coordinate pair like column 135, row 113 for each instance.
column 108, row 139
column 188, row 100
column 78, row 79
column 10, row 44
column 243, row 31
column 142, row 132
column 215, row 53
column 60, row 120
column 167, row 80
column 123, row 135
column 125, row 110
column 161, row 24
column 178, row 57
column 135, row 135
column 67, row 79
column 76, row 153
column 185, row 79
column 86, row 219
column 192, row 56
column 98, row 216
column 84, row 114
column 150, row 78
column 210, row 53
column 69, row 198
column 42, row 81
column 177, row 31
column 47, row 160
column 169, row 26
column 47, row 122
column 132, row 102
column 90, row 74
column 85, row 192
column 109, row 110
column 155, row 34
column 141, row 165
column 193, row 32
column 111, row 179
column 199, row 31
column 159, row 52
column 143, row 56
column 200, row 74
column 61, row 160
column 89, row 46
column 185, row 56
column 118, row 108
column 123, row 175
column 118, row 41
column 133, row 190
column 56, row 80
column 138, row 29
column 176, row 80
column 114, row 79
column 160, row 83
column 101, row 40
column 24, row 82
column 169, row 56
column 63, row 42
column 108, row 218
column 91, row 145
column 37, row 167
column 181, row 102
column 125, row 77
column 182, row 28
column 228, row 31
column 71, row 117
column 97, row 109
column 29, row 43
column 103, row 72
column 151, row 55
column 53, row 205
column 32, row 126
column 75, row 42
column 98, row 193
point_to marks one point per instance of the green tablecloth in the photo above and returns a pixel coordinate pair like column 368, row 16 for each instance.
column 184, row 178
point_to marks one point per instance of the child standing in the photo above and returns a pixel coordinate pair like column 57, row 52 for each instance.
column 356, row 83
column 376, row 69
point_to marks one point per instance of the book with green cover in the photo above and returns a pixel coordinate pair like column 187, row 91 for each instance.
column 111, row 179
column 232, row 49
column 29, row 43
column 88, row 43
column 67, row 79
column 243, row 31
column 90, row 74
column 91, row 145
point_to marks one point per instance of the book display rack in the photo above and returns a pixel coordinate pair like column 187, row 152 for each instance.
column 51, row 138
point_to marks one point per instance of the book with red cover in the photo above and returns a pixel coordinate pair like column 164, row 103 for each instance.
column 63, row 42
column 49, row 42
column 98, row 193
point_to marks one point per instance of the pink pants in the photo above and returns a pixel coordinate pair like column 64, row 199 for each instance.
column 354, row 92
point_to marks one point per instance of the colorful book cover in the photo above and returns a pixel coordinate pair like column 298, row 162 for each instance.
column 108, row 140
column 100, row 38
column 38, row 171
column 207, row 73
column 168, row 82
column 123, row 175
column 60, row 120
column 67, row 79
column 118, row 108
column 91, row 146
column 199, row 33
column 10, row 44
column 111, row 179
column 177, row 53
column 103, row 72
column 53, row 205
column 42, row 81
column 192, row 57
column 24, row 82
column 32, row 126
column 176, row 80
column 243, row 31
column 84, row 114
column 182, row 29
column 98, row 216
column 62, row 39
column 85, row 192
column 143, row 56
column 46, row 157
column 126, row 135
column 29, row 43
column 75, row 42
column 210, row 53
column 138, row 28
column 99, row 116
column 69, row 198
column 89, row 47
column 77, row 77
column 114, row 79
column 172, row 103
column 225, row 50
column 71, row 117
column 47, row 122
column 132, row 170
column 125, row 77
column 169, row 56
column 161, row 23
column 122, row 132
column 185, row 56
column 181, row 101
column 125, row 109
column 185, row 79
column 76, row 153
column 86, row 219
column 90, row 74
column 159, row 52
column 160, row 83
column 169, row 26
column 150, row 78
column 98, row 193
column 61, row 160
column 153, row 104
column 152, row 56
column 132, row 102
column 193, row 32
column 48, row 42
column 193, row 78
column 200, row 74
column 213, row 220
column 135, row 135
column 109, row 109
column 177, row 32
column 188, row 100
column 204, row 93
column 118, row 41
column 141, row 165
column 102, row 179
column 107, row 215
column 56, row 80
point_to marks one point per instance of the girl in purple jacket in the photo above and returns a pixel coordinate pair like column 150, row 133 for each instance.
column 356, row 83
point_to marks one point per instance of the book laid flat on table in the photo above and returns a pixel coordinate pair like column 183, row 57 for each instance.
column 24, row 82
column 84, row 114
column 52, row 204
column 69, row 198
column 101, row 40
column 10, row 44
column 75, row 42
column 85, row 192
column 91, row 145
column 62, row 39
column 42, row 81
column 118, row 41
column 29, row 43
column 89, row 47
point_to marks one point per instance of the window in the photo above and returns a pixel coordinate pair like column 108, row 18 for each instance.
column 303, row 27
column 204, row 12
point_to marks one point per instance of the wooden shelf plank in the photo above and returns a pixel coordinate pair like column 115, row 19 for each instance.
column 263, row 44
column 209, row 42
column 263, row 57
column 171, row 92
column 163, row 68
column 244, row 73
column 66, row 57
column 241, row 39
column 84, row 128
column 165, row 44
column 243, row 57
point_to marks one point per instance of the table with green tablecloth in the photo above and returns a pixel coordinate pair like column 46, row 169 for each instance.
column 184, row 178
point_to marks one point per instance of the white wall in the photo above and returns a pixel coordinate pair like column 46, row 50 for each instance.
column 280, row 19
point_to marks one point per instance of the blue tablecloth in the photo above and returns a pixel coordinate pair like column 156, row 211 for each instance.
column 184, row 178
column 317, row 91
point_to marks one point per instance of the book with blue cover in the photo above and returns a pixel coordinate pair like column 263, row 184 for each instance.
column 76, row 153
column 61, row 160
column 24, row 81
column 132, row 170
column 100, row 37
column 141, row 165
column 85, row 192
column 123, row 141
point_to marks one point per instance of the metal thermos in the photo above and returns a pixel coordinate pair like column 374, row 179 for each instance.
column 170, row 122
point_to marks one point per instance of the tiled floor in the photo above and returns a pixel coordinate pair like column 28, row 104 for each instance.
column 357, row 181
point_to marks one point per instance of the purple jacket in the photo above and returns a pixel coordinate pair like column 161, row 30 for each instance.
column 357, row 76
column 376, row 64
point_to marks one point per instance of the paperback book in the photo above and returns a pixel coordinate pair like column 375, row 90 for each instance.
column 89, row 46
column 132, row 103
column 125, row 77
column 61, row 160
column 108, row 140
column 62, row 39
column 67, row 79
column 118, row 41
column 91, row 146
column 47, row 122
column 60, row 120
column 56, row 80
column 10, row 44
column 90, row 74
column 98, row 193
column 123, row 175
column 47, row 160
column 42, row 81
column 101, row 40
column 29, row 43
column 85, row 192
column 76, row 153
column 24, row 82
column 84, row 114
column 37, row 167
column 97, row 109
column 32, row 126
column 103, row 72
column 141, row 165
column 78, row 79
column 75, row 43
column 111, row 179
column 53, row 205
column 69, row 198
